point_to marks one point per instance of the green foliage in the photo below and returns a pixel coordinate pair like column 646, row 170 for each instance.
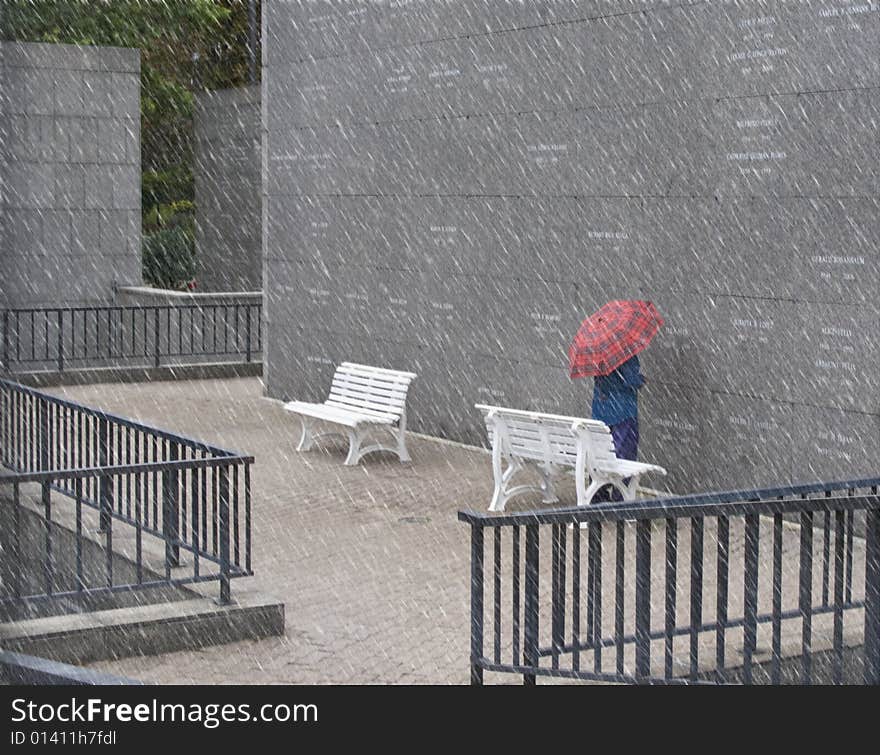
column 165, row 187
column 171, row 35
column 169, row 261
column 164, row 215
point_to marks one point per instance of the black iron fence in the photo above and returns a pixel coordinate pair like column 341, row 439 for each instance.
column 683, row 590
column 65, row 338
column 169, row 494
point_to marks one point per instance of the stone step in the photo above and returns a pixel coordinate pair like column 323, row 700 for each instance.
column 145, row 630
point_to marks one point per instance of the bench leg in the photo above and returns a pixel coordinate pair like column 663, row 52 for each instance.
column 497, row 502
column 499, row 496
column 306, row 440
column 631, row 488
column 402, row 453
column 549, row 494
column 585, row 494
column 354, row 447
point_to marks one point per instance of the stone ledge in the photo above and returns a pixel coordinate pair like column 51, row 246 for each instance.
column 16, row 668
column 88, row 376
column 147, row 296
column 145, row 630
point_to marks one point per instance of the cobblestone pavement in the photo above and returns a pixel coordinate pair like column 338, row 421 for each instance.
column 370, row 561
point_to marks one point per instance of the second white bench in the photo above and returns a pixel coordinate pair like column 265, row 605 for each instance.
column 553, row 443
column 362, row 398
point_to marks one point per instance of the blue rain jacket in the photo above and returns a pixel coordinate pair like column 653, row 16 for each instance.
column 615, row 396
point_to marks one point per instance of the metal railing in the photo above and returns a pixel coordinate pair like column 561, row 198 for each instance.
column 781, row 563
column 172, row 494
column 65, row 338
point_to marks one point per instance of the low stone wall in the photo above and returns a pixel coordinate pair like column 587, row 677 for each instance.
column 134, row 296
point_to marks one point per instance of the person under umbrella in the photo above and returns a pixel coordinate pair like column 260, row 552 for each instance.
column 606, row 347
column 616, row 403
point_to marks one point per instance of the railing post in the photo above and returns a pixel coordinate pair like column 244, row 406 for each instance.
column 643, row 599
column 872, row 596
column 530, row 620
column 170, row 513
column 750, row 594
column 557, row 600
column 805, row 596
column 156, row 336
column 44, row 443
column 48, row 565
column 17, row 553
column 476, row 602
column 46, row 493
column 223, row 516
column 6, row 341
column 247, row 333
column 104, row 484
column 80, row 581
column 60, row 340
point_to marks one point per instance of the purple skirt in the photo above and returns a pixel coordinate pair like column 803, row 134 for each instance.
column 626, row 438
column 626, row 446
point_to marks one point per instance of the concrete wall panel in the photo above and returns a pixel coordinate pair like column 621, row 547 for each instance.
column 228, row 190
column 70, row 171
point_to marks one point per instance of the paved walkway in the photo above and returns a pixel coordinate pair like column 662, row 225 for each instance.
column 370, row 561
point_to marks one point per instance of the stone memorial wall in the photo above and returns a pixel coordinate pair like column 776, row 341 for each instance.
column 450, row 187
column 4, row 137
column 228, row 190
column 70, row 168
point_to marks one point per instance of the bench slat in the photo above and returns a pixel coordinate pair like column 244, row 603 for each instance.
column 558, row 445
column 371, row 391
column 381, row 389
column 367, row 369
column 383, row 379
column 363, row 407
column 339, row 415
column 371, row 383
column 627, row 468
column 346, row 394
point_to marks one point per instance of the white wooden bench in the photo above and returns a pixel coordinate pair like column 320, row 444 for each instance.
column 553, row 444
column 362, row 399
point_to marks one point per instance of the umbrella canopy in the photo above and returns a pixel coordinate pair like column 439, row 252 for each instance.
column 607, row 338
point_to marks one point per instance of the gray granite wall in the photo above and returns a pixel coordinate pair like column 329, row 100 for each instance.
column 451, row 187
column 70, row 216
column 227, row 185
column 4, row 137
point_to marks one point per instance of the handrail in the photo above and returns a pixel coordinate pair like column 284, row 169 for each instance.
column 130, row 307
column 624, row 588
column 120, row 469
column 190, row 495
column 124, row 421
column 79, row 337
column 655, row 506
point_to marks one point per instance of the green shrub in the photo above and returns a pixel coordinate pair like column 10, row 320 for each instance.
column 169, row 258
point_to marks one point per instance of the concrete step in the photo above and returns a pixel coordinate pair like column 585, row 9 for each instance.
column 16, row 668
column 145, row 630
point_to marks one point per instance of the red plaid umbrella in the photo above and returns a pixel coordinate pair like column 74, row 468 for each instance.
column 607, row 338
